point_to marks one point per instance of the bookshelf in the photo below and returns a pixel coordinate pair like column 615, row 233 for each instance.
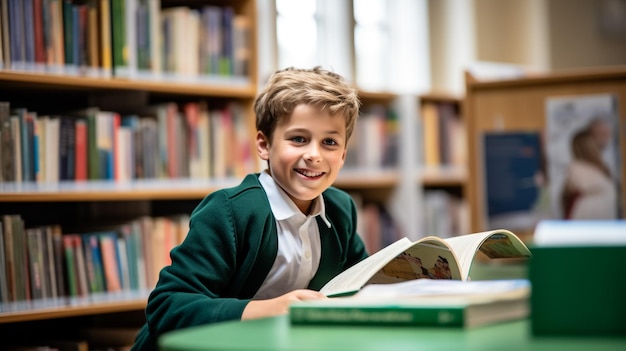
column 372, row 171
column 442, row 172
column 57, row 89
column 520, row 105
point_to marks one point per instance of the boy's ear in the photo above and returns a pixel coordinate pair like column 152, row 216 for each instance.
column 262, row 146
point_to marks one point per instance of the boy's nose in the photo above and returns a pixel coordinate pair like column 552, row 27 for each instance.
column 312, row 153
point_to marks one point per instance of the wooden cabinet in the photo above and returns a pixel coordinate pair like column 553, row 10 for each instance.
column 520, row 105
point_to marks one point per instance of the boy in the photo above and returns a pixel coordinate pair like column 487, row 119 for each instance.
column 280, row 235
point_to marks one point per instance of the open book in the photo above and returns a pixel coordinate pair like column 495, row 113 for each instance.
column 430, row 257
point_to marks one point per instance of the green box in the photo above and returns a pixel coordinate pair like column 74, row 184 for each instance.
column 578, row 290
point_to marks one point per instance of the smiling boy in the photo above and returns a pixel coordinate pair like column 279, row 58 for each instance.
column 281, row 234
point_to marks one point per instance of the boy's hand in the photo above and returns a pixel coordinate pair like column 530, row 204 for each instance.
column 278, row 305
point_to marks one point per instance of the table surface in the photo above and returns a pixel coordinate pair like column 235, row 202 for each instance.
column 277, row 334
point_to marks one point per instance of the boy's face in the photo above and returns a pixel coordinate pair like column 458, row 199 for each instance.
column 305, row 154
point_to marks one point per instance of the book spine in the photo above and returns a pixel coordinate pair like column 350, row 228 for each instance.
column 72, row 288
column 105, row 37
column 6, row 144
column 68, row 34
column 80, row 152
column 40, row 46
column 67, row 148
column 391, row 316
column 6, row 44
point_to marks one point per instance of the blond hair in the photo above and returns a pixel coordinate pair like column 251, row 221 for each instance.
column 317, row 87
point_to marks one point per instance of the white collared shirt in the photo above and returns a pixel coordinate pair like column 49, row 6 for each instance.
column 299, row 247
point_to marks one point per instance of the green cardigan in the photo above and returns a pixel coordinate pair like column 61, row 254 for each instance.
column 229, row 250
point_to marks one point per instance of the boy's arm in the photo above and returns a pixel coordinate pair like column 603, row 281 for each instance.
column 279, row 305
column 193, row 290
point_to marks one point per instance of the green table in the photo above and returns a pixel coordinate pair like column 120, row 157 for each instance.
column 277, row 334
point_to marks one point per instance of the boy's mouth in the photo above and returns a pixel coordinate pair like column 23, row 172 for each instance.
column 309, row 174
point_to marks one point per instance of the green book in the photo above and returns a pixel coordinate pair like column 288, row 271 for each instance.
column 420, row 303
column 577, row 278
column 120, row 46
column 586, row 298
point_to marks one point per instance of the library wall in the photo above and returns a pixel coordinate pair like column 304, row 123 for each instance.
column 586, row 33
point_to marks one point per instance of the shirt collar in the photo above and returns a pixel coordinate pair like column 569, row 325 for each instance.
column 282, row 206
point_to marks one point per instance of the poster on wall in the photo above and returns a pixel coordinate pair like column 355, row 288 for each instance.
column 514, row 180
column 583, row 161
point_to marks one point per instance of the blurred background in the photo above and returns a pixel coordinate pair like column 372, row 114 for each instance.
column 422, row 45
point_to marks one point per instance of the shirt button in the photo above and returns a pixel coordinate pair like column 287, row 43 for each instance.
column 307, row 255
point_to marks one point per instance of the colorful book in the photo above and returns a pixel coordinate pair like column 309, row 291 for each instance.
column 109, row 251
column 35, row 262
column 81, row 146
column 6, row 143
column 93, row 261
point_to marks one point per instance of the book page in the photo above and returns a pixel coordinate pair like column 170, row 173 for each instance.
column 429, row 258
column 426, row 287
column 353, row 278
column 495, row 244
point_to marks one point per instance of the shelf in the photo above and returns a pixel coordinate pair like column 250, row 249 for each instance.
column 564, row 77
column 377, row 97
column 440, row 97
column 367, row 179
column 22, row 311
column 149, row 189
column 444, row 176
column 217, row 88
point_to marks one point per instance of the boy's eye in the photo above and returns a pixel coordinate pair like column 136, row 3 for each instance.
column 330, row 142
column 298, row 139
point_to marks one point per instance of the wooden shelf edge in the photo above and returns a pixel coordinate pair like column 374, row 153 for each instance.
column 377, row 96
column 443, row 176
column 232, row 90
column 366, row 179
column 555, row 77
column 440, row 96
column 174, row 189
column 24, row 311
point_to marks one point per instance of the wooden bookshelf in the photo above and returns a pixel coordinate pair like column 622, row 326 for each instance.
column 442, row 173
column 520, row 105
column 55, row 92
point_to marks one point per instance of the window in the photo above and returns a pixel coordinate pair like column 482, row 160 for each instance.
column 296, row 33
column 371, row 43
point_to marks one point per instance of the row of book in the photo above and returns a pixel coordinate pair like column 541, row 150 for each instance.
column 444, row 214
column 171, row 141
column 108, row 334
column 44, row 263
column 374, row 141
column 375, row 225
column 443, row 135
column 124, row 38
